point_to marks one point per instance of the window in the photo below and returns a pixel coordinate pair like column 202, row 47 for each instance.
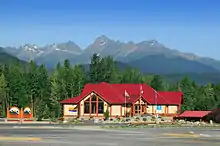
column 86, row 107
column 93, row 107
column 88, row 100
column 94, row 98
column 97, row 105
column 101, row 107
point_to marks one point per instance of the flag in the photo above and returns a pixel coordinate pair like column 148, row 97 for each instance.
column 126, row 94
column 141, row 90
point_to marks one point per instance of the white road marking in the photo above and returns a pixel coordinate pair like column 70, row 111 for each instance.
column 110, row 144
column 205, row 135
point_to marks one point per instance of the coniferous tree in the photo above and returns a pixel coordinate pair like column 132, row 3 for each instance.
column 3, row 97
column 95, row 69
column 108, row 70
column 68, row 79
column 42, row 102
column 188, row 94
column 17, row 87
column 157, row 83
column 33, row 85
column 79, row 80
column 131, row 76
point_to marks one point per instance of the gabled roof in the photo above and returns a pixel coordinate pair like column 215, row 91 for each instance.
column 114, row 94
column 194, row 114
column 106, row 91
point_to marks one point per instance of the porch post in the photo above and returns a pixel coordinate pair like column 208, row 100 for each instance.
column 79, row 107
column 146, row 107
column 97, row 104
column 133, row 110
column 90, row 105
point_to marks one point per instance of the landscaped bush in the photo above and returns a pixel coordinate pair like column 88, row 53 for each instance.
column 137, row 119
column 127, row 119
column 74, row 121
column 153, row 118
column 106, row 115
column 117, row 118
column 91, row 117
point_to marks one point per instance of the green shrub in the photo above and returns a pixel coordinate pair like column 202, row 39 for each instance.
column 153, row 118
column 127, row 120
column 106, row 114
column 137, row 118
column 117, row 118
column 144, row 119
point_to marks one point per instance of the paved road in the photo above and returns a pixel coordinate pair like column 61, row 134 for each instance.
column 84, row 136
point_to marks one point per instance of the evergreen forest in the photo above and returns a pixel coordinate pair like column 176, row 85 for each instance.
column 36, row 86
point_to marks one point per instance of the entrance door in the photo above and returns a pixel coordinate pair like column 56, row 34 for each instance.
column 140, row 109
column 137, row 110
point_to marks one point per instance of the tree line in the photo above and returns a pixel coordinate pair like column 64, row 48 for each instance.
column 43, row 89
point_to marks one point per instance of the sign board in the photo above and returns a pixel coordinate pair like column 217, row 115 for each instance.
column 27, row 111
column 16, row 113
column 159, row 108
column 73, row 109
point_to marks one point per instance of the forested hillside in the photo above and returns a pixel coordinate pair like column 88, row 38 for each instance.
column 35, row 86
column 6, row 58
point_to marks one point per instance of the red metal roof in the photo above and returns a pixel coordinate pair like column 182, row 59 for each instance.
column 173, row 97
column 194, row 114
column 114, row 94
column 72, row 100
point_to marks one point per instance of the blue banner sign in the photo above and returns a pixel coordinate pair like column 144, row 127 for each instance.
column 159, row 108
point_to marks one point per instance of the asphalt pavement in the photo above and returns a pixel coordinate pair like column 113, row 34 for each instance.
column 94, row 136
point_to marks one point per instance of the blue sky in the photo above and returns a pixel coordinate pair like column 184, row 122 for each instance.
column 186, row 25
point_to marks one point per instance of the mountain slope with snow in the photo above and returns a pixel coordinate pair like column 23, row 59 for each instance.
column 125, row 52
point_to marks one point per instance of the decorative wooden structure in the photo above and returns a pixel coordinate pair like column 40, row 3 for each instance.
column 16, row 114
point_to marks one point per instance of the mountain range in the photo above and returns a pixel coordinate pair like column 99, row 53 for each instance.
column 149, row 56
column 7, row 59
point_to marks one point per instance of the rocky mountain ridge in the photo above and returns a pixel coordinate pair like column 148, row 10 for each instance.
column 125, row 52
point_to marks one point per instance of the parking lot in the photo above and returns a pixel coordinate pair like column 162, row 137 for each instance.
column 89, row 136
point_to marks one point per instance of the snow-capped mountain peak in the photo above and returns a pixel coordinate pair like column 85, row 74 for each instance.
column 30, row 48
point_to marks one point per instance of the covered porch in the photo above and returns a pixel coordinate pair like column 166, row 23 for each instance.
column 139, row 107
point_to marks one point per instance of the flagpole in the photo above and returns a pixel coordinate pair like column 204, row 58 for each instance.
column 125, row 107
column 141, row 93
column 155, row 100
